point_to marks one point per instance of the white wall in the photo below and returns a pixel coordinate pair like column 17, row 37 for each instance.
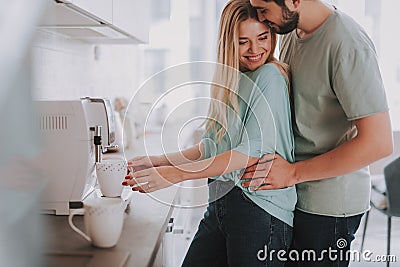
column 64, row 68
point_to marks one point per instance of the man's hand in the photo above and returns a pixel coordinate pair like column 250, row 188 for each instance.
column 271, row 172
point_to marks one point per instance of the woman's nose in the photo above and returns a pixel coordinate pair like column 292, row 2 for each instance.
column 253, row 47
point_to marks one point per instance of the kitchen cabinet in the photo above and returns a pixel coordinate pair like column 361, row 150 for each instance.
column 101, row 9
column 100, row 21
column 133, row 17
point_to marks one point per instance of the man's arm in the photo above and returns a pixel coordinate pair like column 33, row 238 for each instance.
column 373, row 142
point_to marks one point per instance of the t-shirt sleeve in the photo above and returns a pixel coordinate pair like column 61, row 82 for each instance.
column 358, row 84
column 267, row 115
column 210, row 146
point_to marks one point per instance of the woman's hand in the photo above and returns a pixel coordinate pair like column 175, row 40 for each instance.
column 152, row 179
column 144, row 162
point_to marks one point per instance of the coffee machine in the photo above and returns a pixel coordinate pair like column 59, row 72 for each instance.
column 69, row 130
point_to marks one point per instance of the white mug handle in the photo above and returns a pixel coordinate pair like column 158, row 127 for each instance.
column 76, row 229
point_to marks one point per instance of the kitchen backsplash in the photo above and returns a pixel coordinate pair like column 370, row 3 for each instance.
column 65, row 68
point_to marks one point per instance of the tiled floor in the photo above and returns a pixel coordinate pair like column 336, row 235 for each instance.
column 375, row 241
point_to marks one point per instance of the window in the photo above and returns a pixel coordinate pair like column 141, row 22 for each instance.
column 160, row 10
column 155, row 61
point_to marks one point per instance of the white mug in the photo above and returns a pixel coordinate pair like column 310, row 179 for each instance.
column 103, row 219
column 110, row 175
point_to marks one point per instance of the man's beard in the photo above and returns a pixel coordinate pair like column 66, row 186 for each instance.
column 291, row 20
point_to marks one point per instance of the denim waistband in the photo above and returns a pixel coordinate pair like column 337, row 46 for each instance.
column 218, row 189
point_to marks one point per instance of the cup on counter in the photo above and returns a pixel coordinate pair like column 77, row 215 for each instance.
column 103, row 219
column 110, row 174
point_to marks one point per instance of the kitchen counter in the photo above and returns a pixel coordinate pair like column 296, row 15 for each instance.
column 145, row 223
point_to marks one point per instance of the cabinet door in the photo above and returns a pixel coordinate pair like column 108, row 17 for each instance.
column 99, row 8
column 133, row 17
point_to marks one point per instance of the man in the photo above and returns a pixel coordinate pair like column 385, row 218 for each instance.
column 341, row 126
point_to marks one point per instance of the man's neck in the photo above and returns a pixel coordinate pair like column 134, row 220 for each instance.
column 312, row 15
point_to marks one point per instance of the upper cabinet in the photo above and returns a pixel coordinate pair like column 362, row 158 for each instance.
column 126, row 11
column 101, row 9
column 100, row 21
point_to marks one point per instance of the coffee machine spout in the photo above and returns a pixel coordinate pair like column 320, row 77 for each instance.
column 97, row 142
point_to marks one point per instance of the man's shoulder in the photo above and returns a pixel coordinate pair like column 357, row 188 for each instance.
column 285, row 39
column 340, row 32
column 349, row 34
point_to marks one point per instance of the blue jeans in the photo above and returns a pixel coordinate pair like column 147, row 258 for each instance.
column 237, row 232
column 317, row 233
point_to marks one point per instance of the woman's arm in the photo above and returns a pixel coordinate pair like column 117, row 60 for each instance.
column 153, row 179
column 193, row 153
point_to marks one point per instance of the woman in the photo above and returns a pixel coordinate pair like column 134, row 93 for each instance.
column 249, row 119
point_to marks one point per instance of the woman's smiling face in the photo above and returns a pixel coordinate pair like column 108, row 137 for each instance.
column 254, row 44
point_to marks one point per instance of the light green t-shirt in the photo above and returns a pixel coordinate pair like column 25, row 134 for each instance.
column 335, row 79
column 262, row 127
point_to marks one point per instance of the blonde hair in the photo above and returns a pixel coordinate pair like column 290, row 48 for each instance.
column 224, row 90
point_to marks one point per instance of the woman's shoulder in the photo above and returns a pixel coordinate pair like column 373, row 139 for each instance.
column 272, row 66
column 266, row 72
